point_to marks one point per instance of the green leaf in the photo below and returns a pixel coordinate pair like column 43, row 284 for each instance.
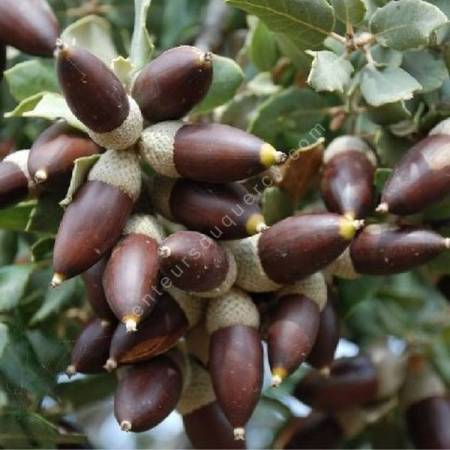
column 25, row 105
column 387, row 85
column 298, row 56
column 262, row 47
column 8, row 246
column 227, row 78
column 46, row 216
column 276, row 205
column 16, row 217
column 123, row 68
column 3, row 338
column 389, row 113
column 406, row 24
column 240, row 111
column 350, row 11
column 329, row 72
column 13, row 281
column 380, row 178
column 141, row 44
column 385, row 56
column 443, row 5
column 30, row 78
column 305, row 22
column 390, row 148
column 42, row 249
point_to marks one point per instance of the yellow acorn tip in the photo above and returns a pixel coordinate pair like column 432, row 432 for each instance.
column 382, row 208
column 447, row 243
column 40, row 176
column 131, row 325
column 61, row 47
column 125, row 425
column 164, row 251
column 269, row 157
column 57, row 280
column 110, row 365
column 255, row 224
column 325, row 371
column 278, row 376
column 239, row 434
column 71, row 371
column 348, row 227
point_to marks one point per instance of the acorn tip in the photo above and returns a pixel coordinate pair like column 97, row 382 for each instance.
column 125, row 425
column 280, row 158
column 164, row 251
column 261, row 227
column 325, row 371
column 57, row 280
column 239, row 434
column 447, row 243
column 71, row 371
column 131, row 325
column 382, row 208
column 276, row 380
column 40, row 176
column 278, row 376
column 60, row 47
column 110, row 365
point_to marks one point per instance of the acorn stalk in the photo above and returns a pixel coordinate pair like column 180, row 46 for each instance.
column 90, row 86
column 212, row 153
column 173, row 83
column 94, row 221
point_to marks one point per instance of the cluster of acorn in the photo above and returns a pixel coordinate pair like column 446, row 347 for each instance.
column 150, row 287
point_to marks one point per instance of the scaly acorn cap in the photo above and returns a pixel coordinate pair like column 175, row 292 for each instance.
column 160, row 192
column 146, row 225
column 342, row 267
column 197, row 342
column 345, row 143
column 192, row 306
column 233, row 308
column 119, row 169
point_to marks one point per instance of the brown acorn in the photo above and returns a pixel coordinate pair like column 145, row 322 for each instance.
column 28, row 25
column 293, row 325
column 422, row 176
column 173, row 83
column 211, row 153
column 347, row 180
column 91, row 349
column 94, row 221
column 54, row 152
column 291, row 250
column 352, row 382
column 147, row 393
column 172, row 316
column 222, row 211
column 235, row 356
column 15, row 181
column 97, row 98
column 93, row 282
column 204, row 421
column 196, row 263
column 132, row 271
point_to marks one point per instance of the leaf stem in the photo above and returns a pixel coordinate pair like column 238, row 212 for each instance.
column 338, row 37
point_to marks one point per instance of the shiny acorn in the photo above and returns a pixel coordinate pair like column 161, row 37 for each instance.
column 293, row 325
column 132, row 271
column 196, row 263
column 211, row 153
column 222, row 211
column 235, row 356
column 173, row 83
column 347, row 180
column 92, row 348
column 291, row 250
column 94, row 221
column 89, row 85
column 28, row 25
column 422, row 177
column 53, row 154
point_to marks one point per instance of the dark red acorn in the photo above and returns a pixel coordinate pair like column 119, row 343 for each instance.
column 147, row 393
column 225, row 211
column 173, row 83
column 211, row 153
column 92, row 347
column 347, row 180
column 54, row 152
column 132, row 271
column 14, row 178
column 28, row 25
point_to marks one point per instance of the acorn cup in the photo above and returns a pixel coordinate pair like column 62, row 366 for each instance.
column 235, row 356
column 422, row 176
column 211, row 153
column 173, row 83
column 204, row 422
column 29, row 25
column 91, row 348
column 132, row 271
column 294, row 324
column 97, row 98
column 197, row 264
column 94, row 221
column 147, row 393
column 291, row 250
column 347, row 180
column 352, row 382
column 54, row 152
column 15, row 181
column 173, row 315
column 222, row 211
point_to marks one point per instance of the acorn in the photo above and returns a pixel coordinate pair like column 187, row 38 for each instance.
column 93, row 222
column 293, row 325
column 204, row 421
column 421, row 177
column 291, row 250
column 15, row 181
column 173, row 83
column 211, row 153
column 235, row 356
column 92, row 348
column 222, row 211
column 28, row 25
column 147, row 393
column 97, row 98
column 132, row 271
column 351, row 382
column 196, row 263
column 347, row 180
column 172, row 316
column 54, row 152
